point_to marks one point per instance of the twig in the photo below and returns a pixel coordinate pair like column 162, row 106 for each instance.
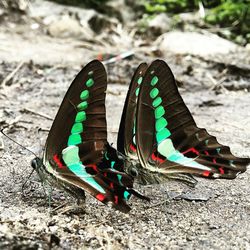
column 11, row 75
column 217, row 83
column 159, row 204
column 59, row 207
column 119, row 57
column 37, row 113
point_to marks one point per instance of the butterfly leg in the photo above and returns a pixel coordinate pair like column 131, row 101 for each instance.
column 80, row 197
column 78, row 208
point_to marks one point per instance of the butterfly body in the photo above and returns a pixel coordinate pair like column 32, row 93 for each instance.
column 77, row 156
column 169, row 145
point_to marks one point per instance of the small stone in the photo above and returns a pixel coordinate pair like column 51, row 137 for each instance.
column 159, row 24
column 195, row 44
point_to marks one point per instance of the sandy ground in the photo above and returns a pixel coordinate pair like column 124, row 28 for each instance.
column 214, row 215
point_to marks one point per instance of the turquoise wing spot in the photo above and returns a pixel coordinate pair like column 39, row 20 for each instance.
column 84, row 95
column 71, row 158
column 106, row 155
column 126, row 195
column 90, row 82
column 160, row 124
column 112, row 164
column 154, row 92
column 231, row 162
column 137, row 91
column 120, row 179
column 154, row 80
column 70, row 155
column 176, row 157
column 157, row 101
column 79, row 170
column 162, row 135
column 140, row 80
column 159, row 112
column 74, row 139
column 80, row 116
column 77, row 128
column 82, row 106
column 166, row 148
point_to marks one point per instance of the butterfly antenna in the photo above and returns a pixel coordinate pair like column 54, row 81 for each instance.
column 17, row 143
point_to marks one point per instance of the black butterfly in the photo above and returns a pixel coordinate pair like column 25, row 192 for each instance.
column 158, row 129
column 77, row 155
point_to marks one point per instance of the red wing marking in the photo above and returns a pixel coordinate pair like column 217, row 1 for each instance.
column 155, row 158
column 132, row 147
column 92, row 166
column 221, row 170
column 193, row 150
column 99, row 57
column 100, row 197
column 58, row 162
column 116, row 199
column 206, row 173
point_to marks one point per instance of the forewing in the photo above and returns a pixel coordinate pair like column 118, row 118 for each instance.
column 82, row 112
column 77, row 141
column 126, row 143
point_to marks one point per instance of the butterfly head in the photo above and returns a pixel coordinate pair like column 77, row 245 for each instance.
column 131, row 168
column 36, row 163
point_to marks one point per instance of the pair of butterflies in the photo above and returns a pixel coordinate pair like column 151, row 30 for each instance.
column 158, row 139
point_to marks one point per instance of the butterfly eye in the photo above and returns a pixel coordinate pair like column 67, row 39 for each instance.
column 133, row 171
column 35, row 163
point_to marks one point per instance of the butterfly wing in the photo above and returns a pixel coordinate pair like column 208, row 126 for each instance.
column 168, row 139
column 126, row 143
column 77, row 142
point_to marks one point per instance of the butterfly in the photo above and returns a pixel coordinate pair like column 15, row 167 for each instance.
column 158, row 133
column 77, row 156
